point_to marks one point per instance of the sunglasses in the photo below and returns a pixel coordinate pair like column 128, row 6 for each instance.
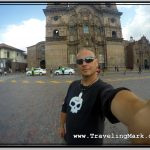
column 86, row 59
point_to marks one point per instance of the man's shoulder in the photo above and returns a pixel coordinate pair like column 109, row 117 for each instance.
column 99, row 83
column 76, row 82
column 102, row 83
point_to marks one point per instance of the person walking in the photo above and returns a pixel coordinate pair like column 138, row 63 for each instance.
column 125, row 71
column 140, row 70
column 89, row 100
column 63, row 70
column 51, row 72
column 32, row 70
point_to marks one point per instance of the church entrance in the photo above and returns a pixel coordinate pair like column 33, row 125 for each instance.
column 42, row 64
column 146, row 65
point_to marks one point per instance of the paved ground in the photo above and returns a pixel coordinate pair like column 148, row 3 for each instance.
column 30, row 107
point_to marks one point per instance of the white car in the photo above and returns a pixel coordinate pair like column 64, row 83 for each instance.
column 67, row 71
column 37, row 71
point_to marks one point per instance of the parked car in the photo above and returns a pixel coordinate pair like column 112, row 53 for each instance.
column 37, row 71
column 67, row 71
column 3, row 72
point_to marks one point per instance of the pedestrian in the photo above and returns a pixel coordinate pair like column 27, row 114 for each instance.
column 125, row 71
column 63, row 70
column 89, row 100
column 117, row 68
column 140, row 70
column 59, row 67
column 51, row 72
column 32, row 70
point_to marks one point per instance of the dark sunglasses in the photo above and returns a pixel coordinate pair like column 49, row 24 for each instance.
column 86, row 59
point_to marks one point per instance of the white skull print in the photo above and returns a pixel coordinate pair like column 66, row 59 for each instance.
column 76, row 103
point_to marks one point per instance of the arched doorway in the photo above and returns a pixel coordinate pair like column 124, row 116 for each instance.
column 42, row 64
column 146, row 66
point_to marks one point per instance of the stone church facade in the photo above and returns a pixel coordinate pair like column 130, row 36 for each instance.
column 137, row 53
column 71, row 27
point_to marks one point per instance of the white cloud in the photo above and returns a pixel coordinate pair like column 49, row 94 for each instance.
column 32, row 31
column 28, row 33
column 126, row 5
column 139, row 25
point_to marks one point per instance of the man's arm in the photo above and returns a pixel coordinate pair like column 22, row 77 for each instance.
column 63, row 117
column 134, row 113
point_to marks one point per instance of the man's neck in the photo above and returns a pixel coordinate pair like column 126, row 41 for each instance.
column 88, row 80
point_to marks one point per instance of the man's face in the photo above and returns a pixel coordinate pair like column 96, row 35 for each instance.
column 87, row 63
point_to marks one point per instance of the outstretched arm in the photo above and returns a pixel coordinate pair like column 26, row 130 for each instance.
column 62, row 124
column 134, row 113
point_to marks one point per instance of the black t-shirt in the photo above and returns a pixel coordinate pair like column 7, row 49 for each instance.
column 86, row 109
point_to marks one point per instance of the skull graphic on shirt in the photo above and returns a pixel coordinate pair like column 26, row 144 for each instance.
column 76, row 103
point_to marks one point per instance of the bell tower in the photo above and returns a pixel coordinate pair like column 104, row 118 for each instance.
column 56, row 34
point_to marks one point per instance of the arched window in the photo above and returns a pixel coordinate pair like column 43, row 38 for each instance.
column 114, row 34
column 113, row 20
column 56, row 18
column 85, row 28
column 56, row 33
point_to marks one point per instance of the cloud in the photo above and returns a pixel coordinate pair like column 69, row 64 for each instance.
column 139, row 25
column 32, row 31
column 126, row 5
column 27, row 33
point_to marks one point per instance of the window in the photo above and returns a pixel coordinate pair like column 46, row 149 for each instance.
column 113, row 20
column 85, row 29
column 56, row 18
column 56, row 33
column 25, row 57
column 8, row 54
column 114, row 34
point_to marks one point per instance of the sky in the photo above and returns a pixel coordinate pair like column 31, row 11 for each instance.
column 23, row 25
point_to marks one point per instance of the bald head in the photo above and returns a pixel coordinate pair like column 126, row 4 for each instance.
column 85, row 52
